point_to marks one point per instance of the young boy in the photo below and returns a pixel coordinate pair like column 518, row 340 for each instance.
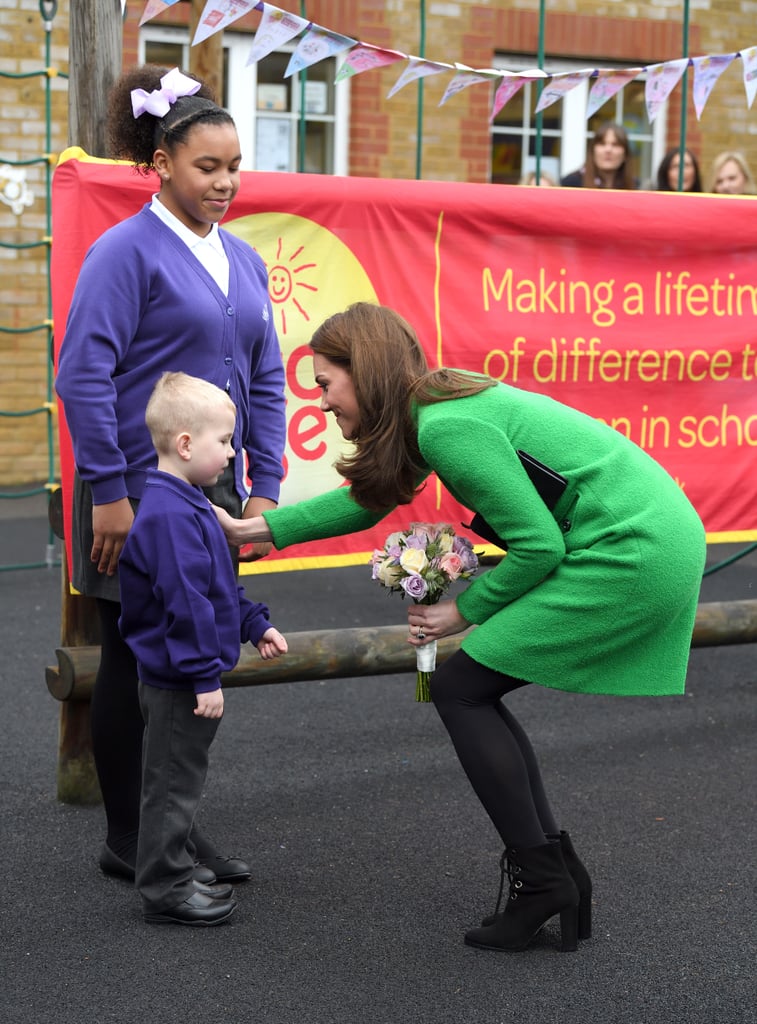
column 183, row 615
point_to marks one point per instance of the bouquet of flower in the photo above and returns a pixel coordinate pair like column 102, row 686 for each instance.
column 422, row 562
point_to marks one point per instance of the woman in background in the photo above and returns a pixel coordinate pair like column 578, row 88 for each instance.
column 608, row 161
column 732, row 176
column 668, row 172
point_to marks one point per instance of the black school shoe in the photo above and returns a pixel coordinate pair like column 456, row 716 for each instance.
column 197, row 911
column 226, row 869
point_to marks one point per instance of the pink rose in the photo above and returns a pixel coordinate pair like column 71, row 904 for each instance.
column 451, row 565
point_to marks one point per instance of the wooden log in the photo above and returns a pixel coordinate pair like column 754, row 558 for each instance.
column 354, row 652
column 317, row 654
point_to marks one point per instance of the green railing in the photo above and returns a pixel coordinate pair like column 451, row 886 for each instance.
column 47, row 405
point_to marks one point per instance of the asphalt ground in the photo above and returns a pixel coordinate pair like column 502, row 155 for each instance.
column 370, row 856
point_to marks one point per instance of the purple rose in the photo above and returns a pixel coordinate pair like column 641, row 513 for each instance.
column 417, row 541
column 414, row 586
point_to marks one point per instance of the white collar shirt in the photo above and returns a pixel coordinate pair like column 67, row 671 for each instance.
column 208, row 250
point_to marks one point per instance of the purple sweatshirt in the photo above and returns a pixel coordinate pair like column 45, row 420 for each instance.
column 182, row 613
column 144, row 304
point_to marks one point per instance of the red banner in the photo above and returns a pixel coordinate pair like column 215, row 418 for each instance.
column 638, row 308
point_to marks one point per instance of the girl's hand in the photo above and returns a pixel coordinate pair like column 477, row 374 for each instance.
column 110, row 525
column 434, row 621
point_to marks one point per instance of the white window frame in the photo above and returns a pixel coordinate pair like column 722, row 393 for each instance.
column 573, row 125
column 242, row 90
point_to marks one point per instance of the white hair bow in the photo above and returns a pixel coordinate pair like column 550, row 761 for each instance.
column 159, row 101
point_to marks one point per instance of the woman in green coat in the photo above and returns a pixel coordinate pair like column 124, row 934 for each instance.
column 597, row 593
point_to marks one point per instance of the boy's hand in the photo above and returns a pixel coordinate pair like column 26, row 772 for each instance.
column 272, row 644
column 210, row 705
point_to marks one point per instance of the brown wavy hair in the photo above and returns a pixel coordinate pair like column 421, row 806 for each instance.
column 381, row 352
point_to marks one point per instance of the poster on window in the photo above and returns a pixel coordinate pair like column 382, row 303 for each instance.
column 637, row 308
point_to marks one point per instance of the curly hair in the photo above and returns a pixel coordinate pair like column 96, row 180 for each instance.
column 382, row 354
column 137, row 138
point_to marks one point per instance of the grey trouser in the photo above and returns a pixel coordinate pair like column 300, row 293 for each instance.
column 174, row 768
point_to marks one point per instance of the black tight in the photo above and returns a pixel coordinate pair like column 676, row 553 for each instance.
column 117, row 729
column 493, row 749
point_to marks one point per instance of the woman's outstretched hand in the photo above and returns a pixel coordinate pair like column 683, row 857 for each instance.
column 428, row 622
column 243, row 531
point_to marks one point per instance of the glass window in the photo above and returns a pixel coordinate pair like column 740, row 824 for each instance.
column 565, row 128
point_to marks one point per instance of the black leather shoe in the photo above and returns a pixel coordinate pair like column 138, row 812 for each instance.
column 112, row 864
column 198, row 911
column 203, row 874
column 227, row 869
column 216, row 892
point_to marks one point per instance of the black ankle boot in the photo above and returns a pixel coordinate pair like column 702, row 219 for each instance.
column 540, row 888
column 578, row 873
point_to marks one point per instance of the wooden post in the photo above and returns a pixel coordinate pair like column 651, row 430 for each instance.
column 206, row 59
column 96, row 45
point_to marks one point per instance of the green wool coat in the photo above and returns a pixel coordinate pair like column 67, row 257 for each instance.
column 597, row 596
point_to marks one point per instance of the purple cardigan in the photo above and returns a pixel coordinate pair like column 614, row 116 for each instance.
column 182, row 611
column 144, row 304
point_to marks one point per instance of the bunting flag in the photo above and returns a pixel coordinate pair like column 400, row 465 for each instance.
column 467, row 76
column 707, row 70
column 317, row 44
column 607, row 83
column 219, row 14
column 365, row 57
column 153, row 8
column 417, row 68
column 661, row 81
column 278, row 27
column 749, row 57
column 510, row 86
column 559, row 85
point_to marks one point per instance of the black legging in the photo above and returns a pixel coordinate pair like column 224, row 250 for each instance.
column 117, row 729
column 493, row 749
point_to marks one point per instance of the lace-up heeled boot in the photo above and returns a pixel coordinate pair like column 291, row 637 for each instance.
column 578, row 873
column 540, row 887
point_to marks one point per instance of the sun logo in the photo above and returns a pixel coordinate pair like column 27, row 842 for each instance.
column 283, row 283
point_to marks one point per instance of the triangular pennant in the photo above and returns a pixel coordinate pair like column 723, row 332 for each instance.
column 418, row 67
column 559, row 85
column 220, row 13
column 153, row 8
column 512, row 82
column 365, row 57
column 317, row 44
column 707, row 70
column 608, row 82
column 467, row 76
column 509, row 86
column 276, row 28
column 749, row 58
column 661, row 81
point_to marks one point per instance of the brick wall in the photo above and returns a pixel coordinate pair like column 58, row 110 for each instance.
column 383, row 132
column 24, row 356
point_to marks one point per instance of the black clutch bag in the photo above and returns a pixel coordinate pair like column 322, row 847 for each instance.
column 548, row 482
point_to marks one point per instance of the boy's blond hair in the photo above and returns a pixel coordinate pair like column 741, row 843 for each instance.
column 180, row 403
